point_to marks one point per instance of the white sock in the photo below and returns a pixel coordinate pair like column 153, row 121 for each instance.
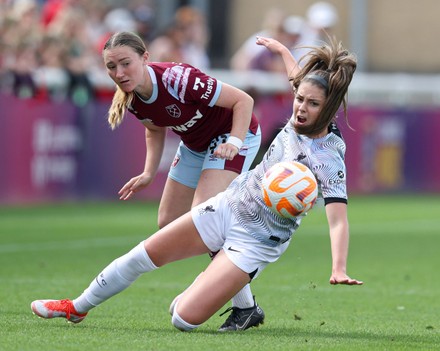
column 116, row 277
column 180, row 324
column 244, row 298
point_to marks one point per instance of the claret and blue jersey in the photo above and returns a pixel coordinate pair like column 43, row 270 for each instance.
column 184, row 100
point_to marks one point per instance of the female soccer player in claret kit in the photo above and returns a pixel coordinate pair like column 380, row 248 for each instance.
column 220, row 135
column 236, row 222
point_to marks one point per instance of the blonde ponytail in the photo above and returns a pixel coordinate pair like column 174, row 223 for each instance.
column 121, row 100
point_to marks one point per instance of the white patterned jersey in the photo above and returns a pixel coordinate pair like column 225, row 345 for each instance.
column 325, row 158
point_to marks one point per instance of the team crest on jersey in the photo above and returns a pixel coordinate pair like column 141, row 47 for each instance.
column 173, row 110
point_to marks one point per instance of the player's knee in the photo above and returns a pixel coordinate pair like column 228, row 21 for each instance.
column 163, row 220
column 180, row 323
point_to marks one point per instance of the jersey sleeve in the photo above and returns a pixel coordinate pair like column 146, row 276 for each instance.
column 190, row 85
column 332, row 180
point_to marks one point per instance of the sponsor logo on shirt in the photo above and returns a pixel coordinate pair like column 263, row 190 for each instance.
column 184, row 127
column 341, row 179
column 198, row 83
column 208, row 92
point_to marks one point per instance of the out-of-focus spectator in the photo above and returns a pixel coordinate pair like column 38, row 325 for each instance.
column 322, row 17
column 27, row 17
column 247, row 52
column 116, row 20
column 119, row 20
column 78, row 52
column 20, row 34
column 95, row 13
column 51, row 9
column 23, row 83
column 184, row 40
column 144, row 17
column 51, row 75
column 290, row 35
column 192, row 23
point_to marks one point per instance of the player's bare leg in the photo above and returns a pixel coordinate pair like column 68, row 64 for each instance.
column 212, row 182
column 176, row 200
column 211, row 291
column 178, row 240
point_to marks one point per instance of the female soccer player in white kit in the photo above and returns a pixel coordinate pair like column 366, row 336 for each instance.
column 236, row 222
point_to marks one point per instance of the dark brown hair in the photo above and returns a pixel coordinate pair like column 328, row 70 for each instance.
column 330, row 67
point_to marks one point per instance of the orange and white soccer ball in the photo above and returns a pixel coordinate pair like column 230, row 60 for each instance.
column 289, row 189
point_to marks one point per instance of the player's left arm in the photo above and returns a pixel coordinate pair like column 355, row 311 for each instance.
column 242, row 106
column 339, row 237
column 274, row 46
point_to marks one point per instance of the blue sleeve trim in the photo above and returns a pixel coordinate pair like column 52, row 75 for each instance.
column 217, row 94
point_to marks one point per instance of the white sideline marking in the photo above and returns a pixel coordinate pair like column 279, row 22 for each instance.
column 70, row 244
column 417, row 227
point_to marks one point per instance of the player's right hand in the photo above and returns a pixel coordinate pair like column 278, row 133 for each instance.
column 344, row 279
column 134, row 185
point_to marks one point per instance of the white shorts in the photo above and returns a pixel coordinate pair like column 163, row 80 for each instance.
column 219, row 229
column 188, row 164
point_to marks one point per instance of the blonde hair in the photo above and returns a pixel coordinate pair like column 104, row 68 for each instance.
column 331, row 67
column 122, row 100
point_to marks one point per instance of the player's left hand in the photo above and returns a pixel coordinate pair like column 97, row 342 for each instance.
column 344, row 279
column 226, row 151
column 271, row 44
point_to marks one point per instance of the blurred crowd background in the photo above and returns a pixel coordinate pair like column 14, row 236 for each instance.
column 52, row 48
column 54, row 89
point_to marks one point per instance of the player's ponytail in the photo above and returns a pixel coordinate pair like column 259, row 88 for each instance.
column 331, row 67
column 121, row 100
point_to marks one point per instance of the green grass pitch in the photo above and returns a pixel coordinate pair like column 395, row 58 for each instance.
column 54, row 251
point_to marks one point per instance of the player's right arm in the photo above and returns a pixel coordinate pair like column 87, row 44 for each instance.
column 155, row 142
column 292, row 67
column 339, row 237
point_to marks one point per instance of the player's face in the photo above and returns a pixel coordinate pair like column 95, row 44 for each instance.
column 126, row 67
column 309, row 100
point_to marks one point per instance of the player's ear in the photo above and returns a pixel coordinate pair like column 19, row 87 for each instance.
column 146, row 56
